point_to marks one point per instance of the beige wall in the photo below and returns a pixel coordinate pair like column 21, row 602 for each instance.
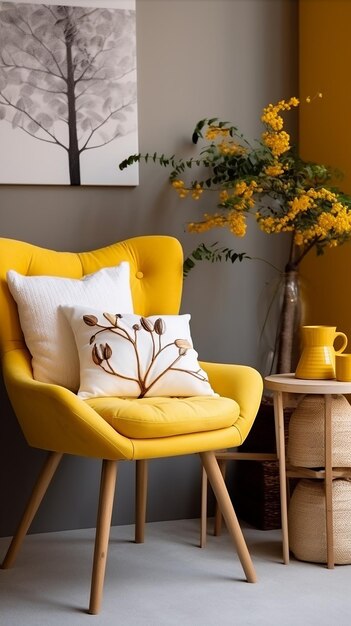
column 196, row 58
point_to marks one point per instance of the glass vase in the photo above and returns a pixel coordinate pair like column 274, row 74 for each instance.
column 281, row 318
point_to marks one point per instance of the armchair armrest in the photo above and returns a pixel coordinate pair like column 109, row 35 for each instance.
column 242, row 383
column 53, row 418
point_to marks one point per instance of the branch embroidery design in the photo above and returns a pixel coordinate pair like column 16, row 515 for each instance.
column 146, row 376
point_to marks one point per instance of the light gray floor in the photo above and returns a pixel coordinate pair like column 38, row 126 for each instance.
column 169, row 581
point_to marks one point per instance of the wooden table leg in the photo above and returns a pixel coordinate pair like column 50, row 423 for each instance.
column 280, row 443
column 328, row 483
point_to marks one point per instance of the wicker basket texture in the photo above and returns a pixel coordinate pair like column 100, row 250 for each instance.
column 307, row 521
column 306, row 432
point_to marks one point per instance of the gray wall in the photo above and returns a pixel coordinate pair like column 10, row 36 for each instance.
column 196, row 58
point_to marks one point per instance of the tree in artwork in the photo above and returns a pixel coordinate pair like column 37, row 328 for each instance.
column 66, row 75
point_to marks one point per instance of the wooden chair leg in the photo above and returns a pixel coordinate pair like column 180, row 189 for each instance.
column 140, row 499
column 222, row 463
column 203, row 517
column 33, row 504
column 215, row 477
column 107, row 492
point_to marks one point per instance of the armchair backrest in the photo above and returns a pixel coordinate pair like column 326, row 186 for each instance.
column 156, row 271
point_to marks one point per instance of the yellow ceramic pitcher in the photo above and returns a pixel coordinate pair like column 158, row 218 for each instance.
column 317, row 360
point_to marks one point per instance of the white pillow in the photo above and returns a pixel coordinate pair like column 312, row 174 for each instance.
column 46, row 332
column 132, row 356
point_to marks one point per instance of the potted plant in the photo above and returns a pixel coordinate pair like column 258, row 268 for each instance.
column 268, row 181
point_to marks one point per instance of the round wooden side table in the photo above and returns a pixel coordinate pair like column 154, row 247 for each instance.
column 287, row 383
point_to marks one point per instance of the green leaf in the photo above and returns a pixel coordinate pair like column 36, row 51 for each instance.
column 133, row 158
column 187, row 266
column 212, row 254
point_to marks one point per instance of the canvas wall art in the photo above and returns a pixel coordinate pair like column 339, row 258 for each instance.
column 68, row 92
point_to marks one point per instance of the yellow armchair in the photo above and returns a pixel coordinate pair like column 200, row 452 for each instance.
column 55, row 419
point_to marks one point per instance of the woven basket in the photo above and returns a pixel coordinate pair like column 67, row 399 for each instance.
column 307, row 521
column 306, row 432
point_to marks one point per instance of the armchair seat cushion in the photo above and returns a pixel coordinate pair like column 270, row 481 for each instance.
column 145, row 418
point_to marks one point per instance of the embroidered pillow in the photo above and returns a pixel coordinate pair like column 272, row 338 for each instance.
column 132, row 356
column 46, row 332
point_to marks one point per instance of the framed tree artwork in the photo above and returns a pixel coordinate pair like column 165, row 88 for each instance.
column 68, row 92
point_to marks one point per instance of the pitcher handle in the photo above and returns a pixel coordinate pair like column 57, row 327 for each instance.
column 344, row 342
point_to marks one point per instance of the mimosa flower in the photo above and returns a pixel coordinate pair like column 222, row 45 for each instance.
column 268, row 180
